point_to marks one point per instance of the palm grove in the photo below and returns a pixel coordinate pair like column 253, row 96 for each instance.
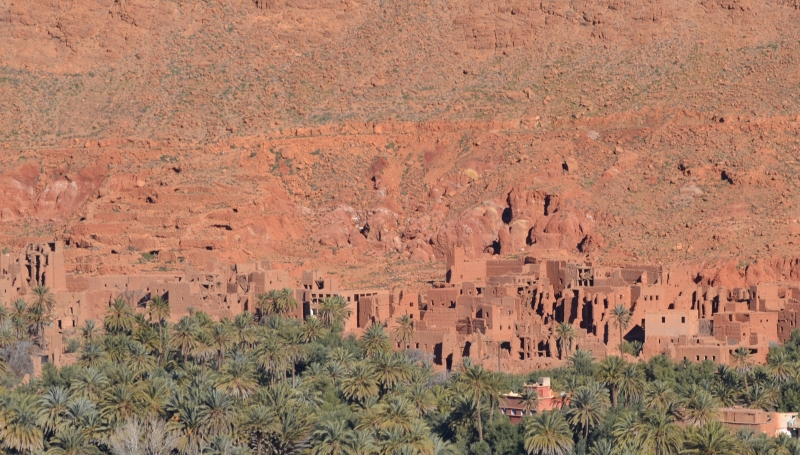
column 263, row 383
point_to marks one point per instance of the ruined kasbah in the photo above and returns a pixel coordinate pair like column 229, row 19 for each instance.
column 515, row 315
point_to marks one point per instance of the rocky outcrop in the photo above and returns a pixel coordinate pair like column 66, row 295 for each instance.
column 62, row 197
column 17, row 191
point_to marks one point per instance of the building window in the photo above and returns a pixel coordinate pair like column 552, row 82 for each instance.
column 683, row 319
column 663, row 320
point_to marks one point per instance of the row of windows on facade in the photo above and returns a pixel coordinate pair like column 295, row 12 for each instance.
column 515, row 412
column 408, row 346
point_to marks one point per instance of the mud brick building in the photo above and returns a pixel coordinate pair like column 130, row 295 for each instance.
column 512, row 404
column 502, row 313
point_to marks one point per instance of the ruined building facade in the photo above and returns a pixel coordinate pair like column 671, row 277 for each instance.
column 502, row 313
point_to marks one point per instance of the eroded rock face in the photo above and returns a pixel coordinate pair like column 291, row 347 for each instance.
column 365, row 131
column 63, row 196
column 17, row 192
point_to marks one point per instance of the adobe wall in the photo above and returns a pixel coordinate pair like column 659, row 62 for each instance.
column 460, row 270
column 501, row 313
column 670, row 323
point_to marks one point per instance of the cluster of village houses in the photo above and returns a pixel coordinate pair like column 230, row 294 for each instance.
column 502, row 313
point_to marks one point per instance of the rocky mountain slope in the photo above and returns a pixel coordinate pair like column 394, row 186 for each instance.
column 370, row 137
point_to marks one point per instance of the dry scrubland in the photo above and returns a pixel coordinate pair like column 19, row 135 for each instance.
column 340, row 134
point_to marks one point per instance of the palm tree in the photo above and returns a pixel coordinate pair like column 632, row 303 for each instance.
column 244, row 330
column 312, row 329
column 588, row 406
column 184, row 337
column 40, row 310
column 423, row 399
column 71, row 441
column 622, row 429
column 659, row 395
column 374, row 341
column 20, row 318
column 632, row 383
column 657, row 434
column 89, row 331
column 272, row 356
column 763, row 397
column 391, row 369
column 712, row 438
column 333, row 311
column 477, row 382
column 417, row 440
column 217, row 413
column 119, row 317
column 602, row 447
column 441, row 447
column 529, row 398
column 276, row 301
column 404, row 330
column 780, row 366
column 259, row 421
column 89, row 383
column 158, row 308
column 120, row 403
column 37, row 320
column 154, row 395
column 43, row 299
column 359, row 383
column 53, row 406
column 21, row 431
column 148, row 336
column 265, row 303
column 621, row 317
column 204, row 351
column 783, row 444
column 582, row 362
column 363, row 443
column 239, row 377
column 742, row 359
column 700, row 408
column 78, row 409
column 565, row 334
column 295, row 350
column 192, row 437
column 728, row 389
column 294, row 425
column 7, row 335
column 611, row 373
column 3, row 313
column 332, row 438
column 548, row 433
column 139, row 359
column 223, row 445
column 394, row 413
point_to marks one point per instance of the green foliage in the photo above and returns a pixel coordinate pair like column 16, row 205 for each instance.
column 268, row 383
column 480, row 448
column 72, row 345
